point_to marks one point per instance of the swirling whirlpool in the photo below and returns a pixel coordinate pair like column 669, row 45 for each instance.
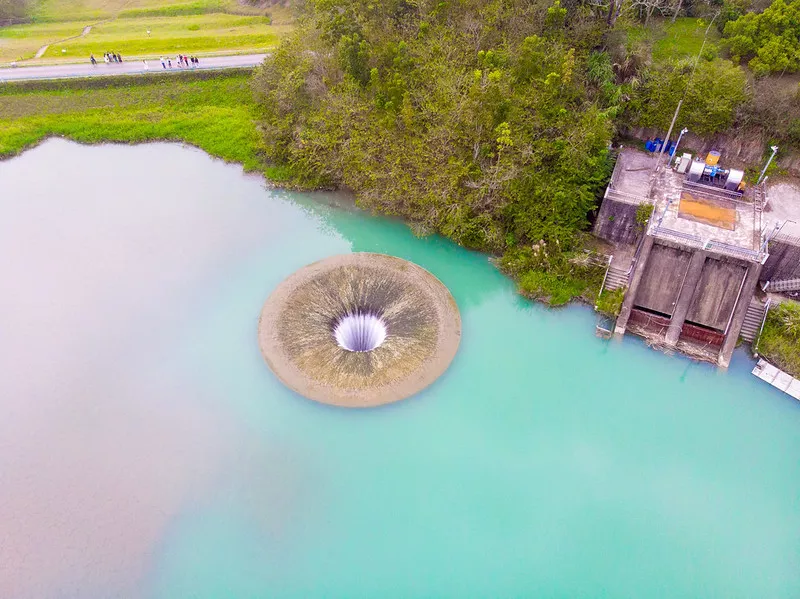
column 359, row 330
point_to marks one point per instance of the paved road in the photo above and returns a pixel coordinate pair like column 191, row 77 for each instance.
column 135, row 67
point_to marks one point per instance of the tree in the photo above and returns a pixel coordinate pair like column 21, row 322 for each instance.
column 711, row 94
column 12, row 9
column 769, row 41
column 475, row 120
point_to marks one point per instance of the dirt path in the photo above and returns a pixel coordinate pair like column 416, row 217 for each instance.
column 40, row 52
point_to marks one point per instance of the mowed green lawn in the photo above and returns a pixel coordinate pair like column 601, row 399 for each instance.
column 22, row 41
column 195, row 27
column 683, row 38
column 200, row 34
column 97, row 10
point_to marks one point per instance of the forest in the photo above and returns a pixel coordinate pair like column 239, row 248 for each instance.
column 490, row 121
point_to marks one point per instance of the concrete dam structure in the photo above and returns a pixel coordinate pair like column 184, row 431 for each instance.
column 693, row 269
column 690, row 298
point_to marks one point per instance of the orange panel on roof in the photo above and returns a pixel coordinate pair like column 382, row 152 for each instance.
column 710, row 212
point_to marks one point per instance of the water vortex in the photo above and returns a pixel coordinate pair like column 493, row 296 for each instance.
column 359, row 330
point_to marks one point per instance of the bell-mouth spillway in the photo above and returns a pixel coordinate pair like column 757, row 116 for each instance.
column 359, row 330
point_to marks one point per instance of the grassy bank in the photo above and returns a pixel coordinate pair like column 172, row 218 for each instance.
column 780, row 340
column 213, row 111
column 142, row 29
column 188, row 34
column 47, row 11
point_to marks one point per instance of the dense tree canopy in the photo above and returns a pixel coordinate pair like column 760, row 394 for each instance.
column 474, row 119
column 489, row 121
column 10, row 9
column 711, row 94
column 769, row 40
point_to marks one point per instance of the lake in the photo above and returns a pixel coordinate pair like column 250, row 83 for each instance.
column 146, row 450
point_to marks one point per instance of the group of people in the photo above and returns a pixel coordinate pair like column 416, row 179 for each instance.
column 181, row 60
column 107, row 57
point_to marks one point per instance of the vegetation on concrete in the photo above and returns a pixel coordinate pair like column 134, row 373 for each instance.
column 609, row 302
column 643, row 214
column 213, row 111
column 780, row 339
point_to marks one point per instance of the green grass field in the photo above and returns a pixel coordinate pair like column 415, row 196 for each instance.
column 198, row 27
column 96, row 10
column 188, row 34
column 213, row 111
column 683, row 38
column 22, row 41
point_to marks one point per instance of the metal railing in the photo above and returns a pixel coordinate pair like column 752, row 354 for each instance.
column 761, row 329
column 626, row 198
column 715, row 192
column 735, row 251
column 711, row 245
column 783, row 285
column 667, row 233
column 605, row 276
column 787, row 239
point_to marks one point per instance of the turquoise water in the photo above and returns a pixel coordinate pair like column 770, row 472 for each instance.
column 147, row 451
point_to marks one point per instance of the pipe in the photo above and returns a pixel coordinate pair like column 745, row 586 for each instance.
column 677, row 144
column 766, row 166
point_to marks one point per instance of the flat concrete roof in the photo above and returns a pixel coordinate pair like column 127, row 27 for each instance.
column 632, row 173
column 783, row 205
column 632, row 177
column 743, row 231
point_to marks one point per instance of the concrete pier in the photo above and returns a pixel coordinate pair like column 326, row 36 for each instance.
column 742, row 303
column 636, row 279
column 685, row 297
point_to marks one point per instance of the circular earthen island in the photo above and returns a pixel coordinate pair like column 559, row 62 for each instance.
column 359, row 330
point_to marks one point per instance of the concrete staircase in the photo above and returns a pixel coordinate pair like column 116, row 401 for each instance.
column 617, row 278
column 752, row 320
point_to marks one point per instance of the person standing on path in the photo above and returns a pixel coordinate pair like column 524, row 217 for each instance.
column 163, row 64
column 169, row 62
column 91, row 58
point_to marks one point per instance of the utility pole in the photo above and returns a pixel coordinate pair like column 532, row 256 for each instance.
column 691, row 77
column 766, row 166
column 671, row 125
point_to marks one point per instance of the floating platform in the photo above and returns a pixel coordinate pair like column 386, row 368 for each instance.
column 777, row 378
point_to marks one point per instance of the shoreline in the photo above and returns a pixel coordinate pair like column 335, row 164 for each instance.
column 278, row 185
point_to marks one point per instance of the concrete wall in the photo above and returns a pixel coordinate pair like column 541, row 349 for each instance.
column 662, row 279
column 783, row 262
column 616, row 222
column 716, row 293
